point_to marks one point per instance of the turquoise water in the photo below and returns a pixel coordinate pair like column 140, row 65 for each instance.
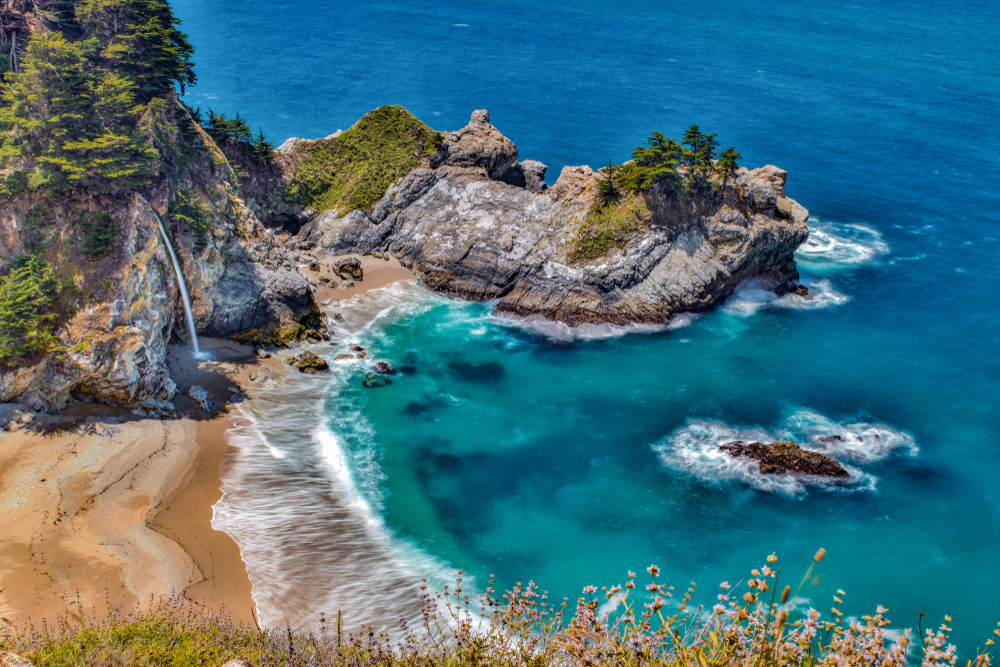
column 528, row 453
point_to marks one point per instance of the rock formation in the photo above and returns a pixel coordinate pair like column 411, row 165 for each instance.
column 785, row 456
column 465, row 230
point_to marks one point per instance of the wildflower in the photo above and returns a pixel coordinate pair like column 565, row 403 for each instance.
column 749, row 597
column 652, row 588
column 724, row 585
column 653, row 570
column 631, row 574
column 819, row 555
column 785, row 593
column 589, row 589
column 772, row 559
column 719, row 610
column 755, row 572
column 630, row 585
column 767, row 572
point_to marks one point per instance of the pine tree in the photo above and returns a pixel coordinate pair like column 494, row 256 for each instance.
column 262, row 150
column 26, row 296
column 608, row 191
column 140, row 39
column 656, row 162
column 727, row 164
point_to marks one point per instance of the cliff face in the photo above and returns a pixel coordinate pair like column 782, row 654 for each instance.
column 126, row 307
column 468, row 234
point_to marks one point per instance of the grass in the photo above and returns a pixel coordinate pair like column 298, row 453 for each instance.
column 354, row 170
column 650, row 624
column 609, row 227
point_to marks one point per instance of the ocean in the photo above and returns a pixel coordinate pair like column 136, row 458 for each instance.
column 530, row 451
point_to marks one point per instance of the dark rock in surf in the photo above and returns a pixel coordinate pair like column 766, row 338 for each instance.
column 307, row 362
column 384, row 368
column 785, row 456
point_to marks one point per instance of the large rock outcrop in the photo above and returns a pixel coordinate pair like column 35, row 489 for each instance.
column 468, row 234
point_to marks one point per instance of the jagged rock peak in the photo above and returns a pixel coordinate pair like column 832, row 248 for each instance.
column 478, row 144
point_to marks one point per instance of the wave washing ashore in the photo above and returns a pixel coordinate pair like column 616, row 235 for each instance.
column 498, row 434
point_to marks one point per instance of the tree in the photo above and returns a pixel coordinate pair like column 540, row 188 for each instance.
column 727, row 164
column 76, row 121
column 221, row 128
column 262, row 150
column 26, row 295
column 701, row 153
column 608, row 191
column 656, row 162
column 140, row 39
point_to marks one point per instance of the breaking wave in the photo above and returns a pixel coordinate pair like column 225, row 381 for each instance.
column 755, row 293
column 840, row 245
column 560, row 331
column 695, row 449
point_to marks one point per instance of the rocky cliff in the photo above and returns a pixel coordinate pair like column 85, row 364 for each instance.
column 477, row 224
column 121, row 310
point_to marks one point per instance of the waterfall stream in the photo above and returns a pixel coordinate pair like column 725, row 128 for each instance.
column 183, row 286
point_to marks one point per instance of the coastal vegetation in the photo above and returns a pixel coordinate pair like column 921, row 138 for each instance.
column 758, row 623
column 691, row 171
column 354, row 170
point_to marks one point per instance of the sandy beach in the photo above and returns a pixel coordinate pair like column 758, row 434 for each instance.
column 102, row 507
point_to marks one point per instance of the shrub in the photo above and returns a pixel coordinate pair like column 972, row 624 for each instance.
column 26, row 296
column 99, row 233
column 354, row 170
column 187, row 212
column 608, row 227
column 16, row 183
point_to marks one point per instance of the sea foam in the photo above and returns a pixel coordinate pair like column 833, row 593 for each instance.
column 833, row 245
column 694, row 448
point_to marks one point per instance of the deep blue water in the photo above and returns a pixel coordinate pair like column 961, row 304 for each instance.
column 506, row 451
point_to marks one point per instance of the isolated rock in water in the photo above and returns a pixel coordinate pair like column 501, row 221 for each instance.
column 200, row 394
column 384, row 368
column 307, row 362
column 348, row 268
column 341, row 357
column 263, row 354
column 785, row 456
column 478, row 144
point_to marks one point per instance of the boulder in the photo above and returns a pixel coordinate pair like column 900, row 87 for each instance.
column 785, row 456
column 200, row 394
column 307, row 362
column 384, row 368
column 348, row 268
column 260, row 374
column 478, row 144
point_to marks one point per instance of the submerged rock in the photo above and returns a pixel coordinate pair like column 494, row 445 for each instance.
column 785, row 456
column 384, row 368
column 374, row 380
column 307, row 362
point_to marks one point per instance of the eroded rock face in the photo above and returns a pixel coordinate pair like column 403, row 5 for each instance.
column 478, row 144
column 785, row 456
column 468, row 235
column 307, row 362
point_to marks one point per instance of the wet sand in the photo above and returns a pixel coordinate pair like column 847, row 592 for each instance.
column 102, row 508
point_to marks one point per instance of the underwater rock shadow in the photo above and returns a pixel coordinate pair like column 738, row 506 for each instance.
column 486, row 373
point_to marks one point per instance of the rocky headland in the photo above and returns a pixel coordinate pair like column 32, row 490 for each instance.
column 458, row 209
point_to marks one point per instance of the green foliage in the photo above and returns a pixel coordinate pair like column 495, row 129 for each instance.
column 26, row 297
column 99, row 233
column 140, row 40
column 222, row 129
column 187, row 212
column 608, row 192
column 609, row 227
column 728, row 164
column 77, row 121
column 354, row 170
column 15, row 183
column 656, row 162
column 262, row 150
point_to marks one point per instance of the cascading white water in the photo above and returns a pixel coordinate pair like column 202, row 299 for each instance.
column 184, row 291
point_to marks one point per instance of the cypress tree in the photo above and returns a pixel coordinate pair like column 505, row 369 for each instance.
column 26, row 296
column 140, row 39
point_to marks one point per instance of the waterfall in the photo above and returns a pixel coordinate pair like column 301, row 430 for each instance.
column 184, row 291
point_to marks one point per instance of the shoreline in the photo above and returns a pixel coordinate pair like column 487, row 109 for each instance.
column 103, row 508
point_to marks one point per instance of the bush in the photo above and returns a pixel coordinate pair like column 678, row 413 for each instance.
column 648, row 626
column 16, row 183
column 608, row 227
column 187, row 211
column 99, row 233
column 26, row 296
